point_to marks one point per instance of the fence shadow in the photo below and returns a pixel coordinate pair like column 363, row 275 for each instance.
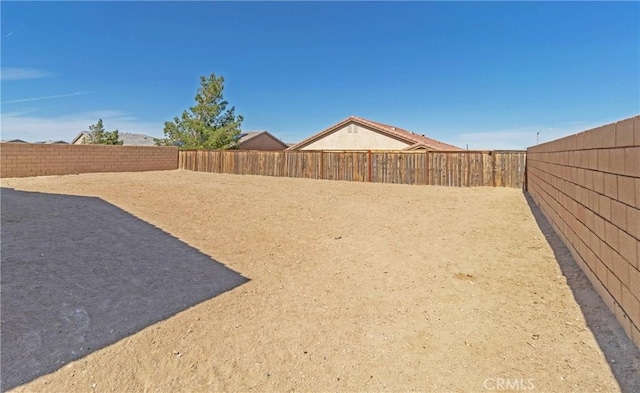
column 79, row 274
column 622, row 355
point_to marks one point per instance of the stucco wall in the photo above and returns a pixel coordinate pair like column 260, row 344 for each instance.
column 27, row 159
column 355, row 137
column 588, row 186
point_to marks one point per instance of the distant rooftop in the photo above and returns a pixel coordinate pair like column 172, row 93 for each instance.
column 50, row 142
column 127, row 138
column 136, row 139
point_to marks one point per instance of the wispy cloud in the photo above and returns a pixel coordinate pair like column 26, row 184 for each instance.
column 9, row 34
column 77, row 93
column 26, row 126
column 18, row 73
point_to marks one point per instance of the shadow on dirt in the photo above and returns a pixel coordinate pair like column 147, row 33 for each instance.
column 79, row 274
column 622, row 355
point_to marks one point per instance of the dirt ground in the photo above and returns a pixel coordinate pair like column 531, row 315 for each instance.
column 354, row 287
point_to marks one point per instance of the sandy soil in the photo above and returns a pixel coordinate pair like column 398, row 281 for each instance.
column 355, row 287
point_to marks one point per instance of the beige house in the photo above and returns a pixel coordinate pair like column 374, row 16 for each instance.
column 81, row 138
column 260, row 140
column 356, row 133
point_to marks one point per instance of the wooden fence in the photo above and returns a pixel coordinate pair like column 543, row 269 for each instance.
column 457, row 169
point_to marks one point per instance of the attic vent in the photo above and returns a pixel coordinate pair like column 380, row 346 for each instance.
column 352, row 129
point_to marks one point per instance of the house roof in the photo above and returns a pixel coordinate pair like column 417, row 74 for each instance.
column 414, row 140
column 127, row 138
column 80, row 135
column 246, row 136
column 50, row 142
column 130, row 139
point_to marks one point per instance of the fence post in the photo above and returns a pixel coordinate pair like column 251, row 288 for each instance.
column 369, row 166
column 493, row 167
column 427, row 158
column 525, row 180
column 284, row 163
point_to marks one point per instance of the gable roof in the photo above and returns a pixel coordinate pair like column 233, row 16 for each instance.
column 80, row 135
column 415, row 141
column 246, row 136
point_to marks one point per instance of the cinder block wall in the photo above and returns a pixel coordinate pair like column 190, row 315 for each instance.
column 588, row 186
column 26, row 159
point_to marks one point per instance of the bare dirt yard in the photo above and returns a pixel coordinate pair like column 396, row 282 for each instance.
column 345, row 287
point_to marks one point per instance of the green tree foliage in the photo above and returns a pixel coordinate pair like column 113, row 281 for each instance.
column 206, row 125
column 98, row 136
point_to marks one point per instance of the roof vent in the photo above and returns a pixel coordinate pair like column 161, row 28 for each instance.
column 393, row 128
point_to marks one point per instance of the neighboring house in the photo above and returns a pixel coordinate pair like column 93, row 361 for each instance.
column 127, row 138
column 80, row 138
column 130, row 139
column 260, row 140
column 356, row 133
column 49, row 142
column 52, row 143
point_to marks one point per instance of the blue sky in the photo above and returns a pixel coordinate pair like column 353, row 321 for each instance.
column 482, row 74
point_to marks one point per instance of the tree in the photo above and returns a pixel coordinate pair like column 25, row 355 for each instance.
column 208, row 124
column 98, row 136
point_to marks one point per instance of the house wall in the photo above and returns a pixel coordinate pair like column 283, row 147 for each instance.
column 355, row 137
column 26, row 159
column 588, row 186
column 262, row 142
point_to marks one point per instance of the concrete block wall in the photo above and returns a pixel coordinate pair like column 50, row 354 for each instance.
column 588, row 186
column 27, row 159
